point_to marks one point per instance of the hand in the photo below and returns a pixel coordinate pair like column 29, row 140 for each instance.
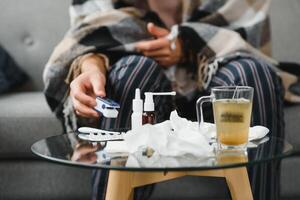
column 159, row 49
column 86, row 87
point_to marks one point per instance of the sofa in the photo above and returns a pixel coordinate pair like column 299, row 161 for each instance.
column 29, row 31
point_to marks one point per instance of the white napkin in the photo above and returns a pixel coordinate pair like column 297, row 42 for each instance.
column 255, row 132
column 179, row 136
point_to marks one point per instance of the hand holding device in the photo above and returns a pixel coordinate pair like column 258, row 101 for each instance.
column 87, row 86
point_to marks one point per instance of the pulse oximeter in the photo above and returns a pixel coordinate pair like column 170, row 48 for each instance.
column 107, row 107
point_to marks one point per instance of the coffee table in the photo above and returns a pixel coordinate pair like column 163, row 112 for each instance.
column 128, row 171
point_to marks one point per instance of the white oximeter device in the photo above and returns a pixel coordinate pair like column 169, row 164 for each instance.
column 107, row 107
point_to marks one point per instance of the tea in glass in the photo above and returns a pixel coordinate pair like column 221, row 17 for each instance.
column 232, row 107
column 232, row 119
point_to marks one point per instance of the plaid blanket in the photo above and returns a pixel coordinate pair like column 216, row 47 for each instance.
column 210, row 30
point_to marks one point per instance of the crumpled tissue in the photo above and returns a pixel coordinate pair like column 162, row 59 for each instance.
column 137, row 159
column 174, row 137
column 179, row 136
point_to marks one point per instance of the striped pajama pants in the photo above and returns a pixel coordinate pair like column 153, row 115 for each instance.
column 134, row 71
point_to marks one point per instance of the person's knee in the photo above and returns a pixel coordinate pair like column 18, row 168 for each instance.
column 136, row 62
column 248, row 71
column 136, row 71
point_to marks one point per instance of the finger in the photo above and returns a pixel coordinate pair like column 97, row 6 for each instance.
column 158, row 53
column 80, row 95
column 83, row 98
column 86, row 115
column 157, row 31
column 84, row 110
column 164, row 61
column 162, row 58
column 98, row 85
column 152, row 44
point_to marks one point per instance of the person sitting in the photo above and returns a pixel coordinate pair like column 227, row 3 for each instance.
column 114, row 47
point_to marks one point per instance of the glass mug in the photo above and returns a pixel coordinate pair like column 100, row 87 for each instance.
column 232, row 108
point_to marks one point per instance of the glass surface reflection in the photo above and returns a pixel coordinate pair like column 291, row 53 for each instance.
column 227, row 157
column 86, row 152
column 69, row 149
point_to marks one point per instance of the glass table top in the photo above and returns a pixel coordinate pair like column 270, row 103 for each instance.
column 70, row 149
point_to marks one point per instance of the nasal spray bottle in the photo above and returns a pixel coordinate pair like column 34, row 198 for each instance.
column 137, row 110
column 149, row 108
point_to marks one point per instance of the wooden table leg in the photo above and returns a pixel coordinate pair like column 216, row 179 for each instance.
column 122, row 183
column 119, row 186
column 238, row 182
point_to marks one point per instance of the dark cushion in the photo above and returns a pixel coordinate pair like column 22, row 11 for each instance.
column 10, row 74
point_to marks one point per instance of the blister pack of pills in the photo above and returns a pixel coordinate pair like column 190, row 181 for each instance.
column 98, row 135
